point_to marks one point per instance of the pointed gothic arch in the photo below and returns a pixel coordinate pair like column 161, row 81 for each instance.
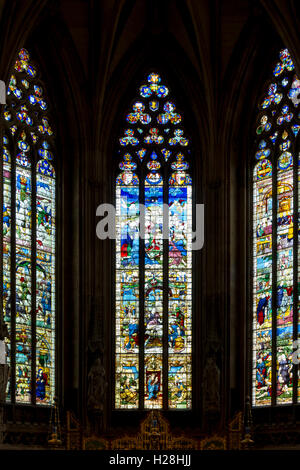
column 29, row 237
column 275, row 270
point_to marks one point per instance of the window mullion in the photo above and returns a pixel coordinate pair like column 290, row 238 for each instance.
column 274, row 280
column 33, row 280
column 295, row 267
column 141, row 299
column 165, row 289
column 13, row 276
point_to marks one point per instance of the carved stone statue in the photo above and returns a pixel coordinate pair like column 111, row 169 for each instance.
column 96, row 385
column 211, row 381
column 4, row 372
column 4, row 368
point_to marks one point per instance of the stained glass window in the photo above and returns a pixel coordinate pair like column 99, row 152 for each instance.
column 28, row 239
column 153, row 320
column 275, row 249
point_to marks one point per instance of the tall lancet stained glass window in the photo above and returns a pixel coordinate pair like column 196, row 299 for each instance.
column 153, row 320
column 275, row 248
column 28, row 239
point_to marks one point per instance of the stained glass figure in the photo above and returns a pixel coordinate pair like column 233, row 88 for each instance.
column 275, row 273
column 153, row 320
column 29, row 237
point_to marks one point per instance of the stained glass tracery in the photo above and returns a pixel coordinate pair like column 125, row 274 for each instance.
column 153, row 321
column 275, row 248
column 28, row 252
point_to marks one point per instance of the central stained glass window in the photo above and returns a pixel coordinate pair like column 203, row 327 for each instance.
column 153, row 304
